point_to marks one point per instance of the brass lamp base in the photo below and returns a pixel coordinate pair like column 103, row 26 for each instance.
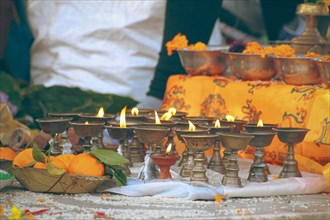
column 290, row 165
column 188, row 164
column 216, row 163
column 199, row 172
column 311, row 40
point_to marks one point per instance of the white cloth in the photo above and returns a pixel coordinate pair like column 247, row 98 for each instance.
column 103, row 46
column 182, row 188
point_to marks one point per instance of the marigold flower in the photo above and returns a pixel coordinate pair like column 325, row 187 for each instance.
column 179, row 42
column 284, row 50
column 217, row 198
column 312, row 55
column 197, row 46
column 325, row 58
column 16, row 214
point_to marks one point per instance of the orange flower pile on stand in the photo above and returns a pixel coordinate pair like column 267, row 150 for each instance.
column 180, row 42
column 282, row 50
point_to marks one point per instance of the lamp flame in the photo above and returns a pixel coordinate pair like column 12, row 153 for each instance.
column 166, row 116
column 122, row 120
column 172, row 111
column 135, row 111
column 100, row 114
column 260, row 123
column 217, row 124
column 86, row 123
column 192, row 127
column 157, row 121
column 168, row 149
column 230, row 118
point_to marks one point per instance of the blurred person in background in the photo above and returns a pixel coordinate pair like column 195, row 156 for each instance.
column 15, row 40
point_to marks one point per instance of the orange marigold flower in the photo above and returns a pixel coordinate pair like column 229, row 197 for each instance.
column 197, row 46
column 312, row 55
column 179, row 42
column 253, row 48
column 217, row 198
column 284, row 50
column 325, row 58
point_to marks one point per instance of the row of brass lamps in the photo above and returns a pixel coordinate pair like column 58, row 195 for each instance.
column 133, row 131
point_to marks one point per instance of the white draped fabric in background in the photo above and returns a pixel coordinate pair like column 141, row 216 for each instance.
column 104, row 46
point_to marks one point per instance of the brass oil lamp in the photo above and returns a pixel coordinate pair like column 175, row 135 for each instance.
column 234, row 142
column 88, row 130
column 100, row 117
column 199, row 144
column 291, row 136
column 188, row 161
column 151, row 135
column 54, row 126
column 216, row 163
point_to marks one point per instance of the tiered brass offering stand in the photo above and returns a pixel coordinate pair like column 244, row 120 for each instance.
column 291, row 136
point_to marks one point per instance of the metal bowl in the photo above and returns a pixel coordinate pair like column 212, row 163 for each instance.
column 210, row 62
column 324, row 70
column 251, row 66
column 297, row 70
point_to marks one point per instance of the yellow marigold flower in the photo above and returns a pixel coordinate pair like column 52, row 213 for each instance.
column 16, row 214
column 217, row 198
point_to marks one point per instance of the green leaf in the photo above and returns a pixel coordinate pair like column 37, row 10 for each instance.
column 31, row 164
column 54, row 170
column 119, row 177
column 37, row 155
column 118, row 167
column 109, row 157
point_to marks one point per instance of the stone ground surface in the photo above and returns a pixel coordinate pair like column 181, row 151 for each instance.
column 109, row 206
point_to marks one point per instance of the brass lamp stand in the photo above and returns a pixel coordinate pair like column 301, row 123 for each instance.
column 311, row 39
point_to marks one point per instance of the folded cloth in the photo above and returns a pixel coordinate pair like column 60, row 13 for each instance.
column 173, row 189
column 181, row 187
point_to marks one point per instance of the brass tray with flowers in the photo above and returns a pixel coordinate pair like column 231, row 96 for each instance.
column 68, row 173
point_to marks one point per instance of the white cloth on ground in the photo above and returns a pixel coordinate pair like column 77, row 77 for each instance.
column 181, row 187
